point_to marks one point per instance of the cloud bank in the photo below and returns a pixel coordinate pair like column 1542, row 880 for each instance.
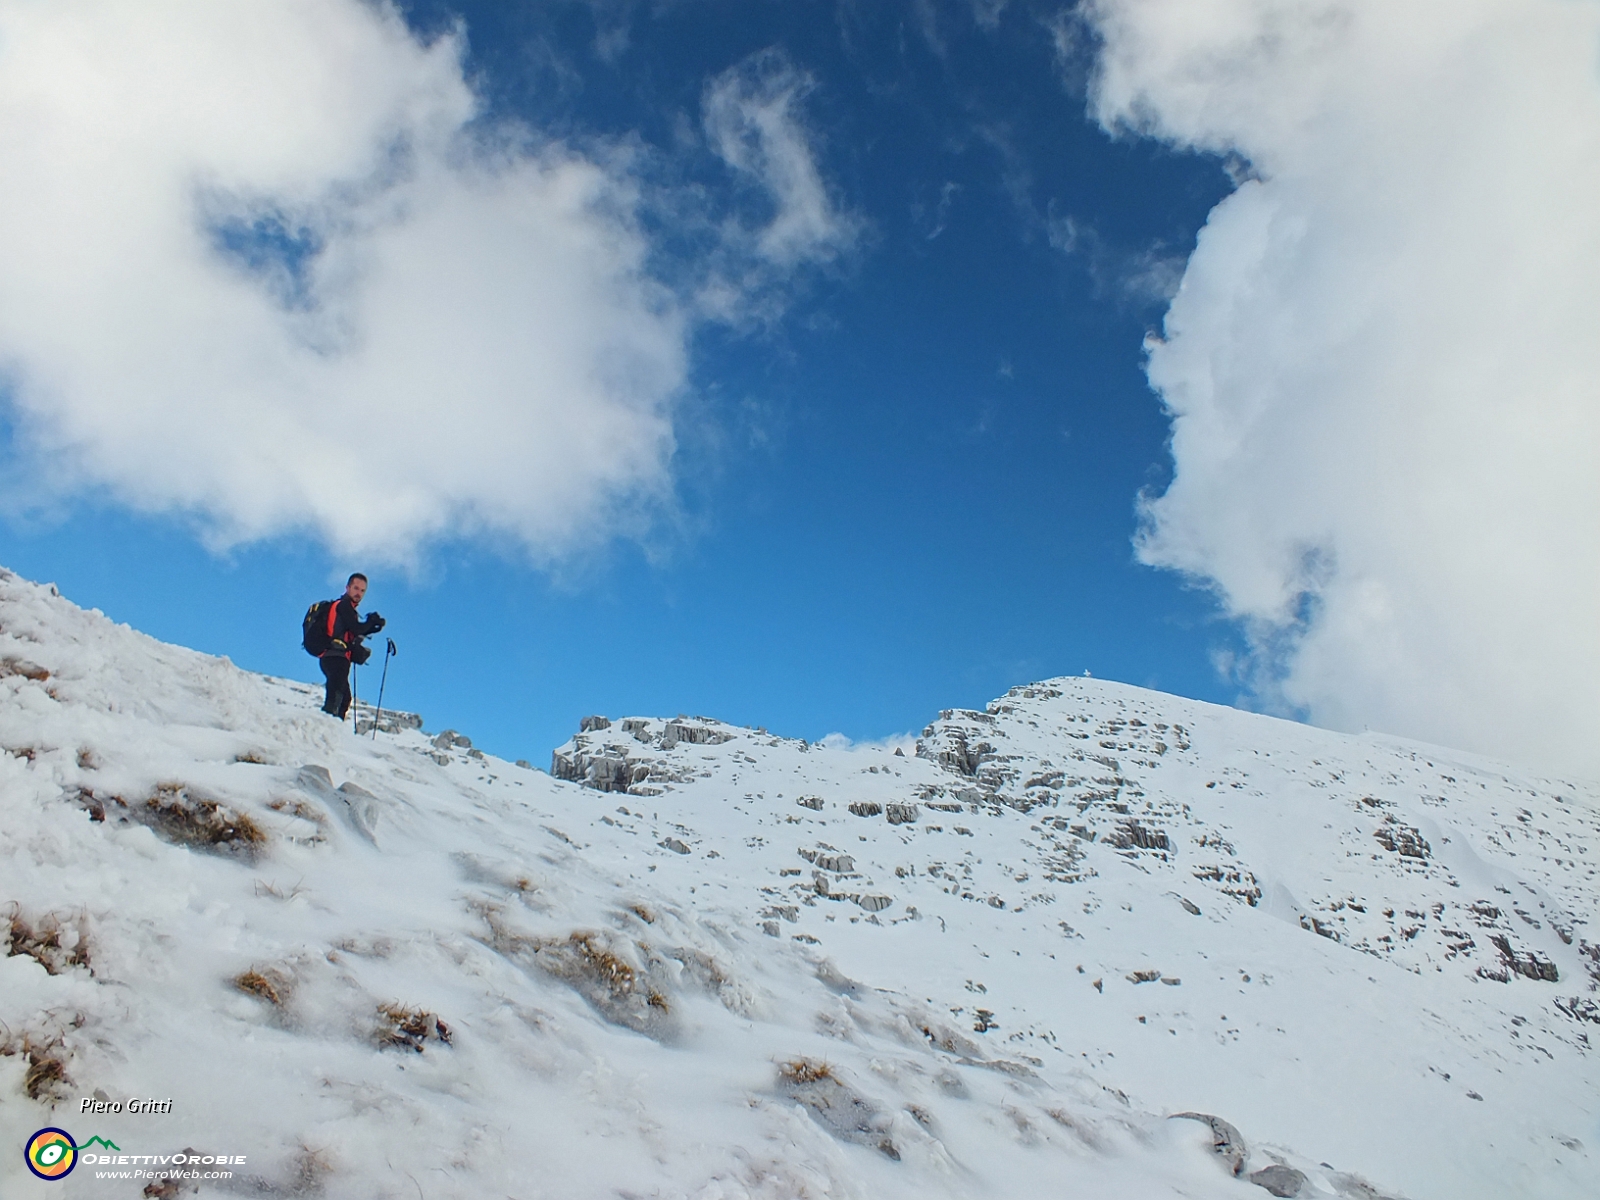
column 1383, row 364
column 267, row 266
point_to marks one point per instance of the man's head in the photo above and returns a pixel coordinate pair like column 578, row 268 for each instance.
column 356, row 587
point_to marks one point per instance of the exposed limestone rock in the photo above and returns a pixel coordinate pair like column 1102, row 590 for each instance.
column 1529, row 963
column 1130, row 835
column 696, row 735
column 610, row 761
column 1226, row 1141
column 1278, row 1179
column 388, row 721
column 361, row 809
column 1406, row 840
column 1580, row 1008
column 605, row 772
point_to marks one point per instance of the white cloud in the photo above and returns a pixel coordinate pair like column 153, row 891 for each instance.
column 905, row 743
column 1382, row 365
column 1149, row 275
column 986, row 13
column 753, row 120
column 265, row 266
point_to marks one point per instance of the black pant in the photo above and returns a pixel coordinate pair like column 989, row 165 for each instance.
column 336, row 669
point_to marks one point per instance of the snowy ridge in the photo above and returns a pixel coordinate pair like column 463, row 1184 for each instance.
column 698, row 960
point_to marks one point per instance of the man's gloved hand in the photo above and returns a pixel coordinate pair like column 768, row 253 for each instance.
column 373, row 624
column 359, row 654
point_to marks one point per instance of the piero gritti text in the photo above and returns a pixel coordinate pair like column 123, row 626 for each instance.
column 94, row 1104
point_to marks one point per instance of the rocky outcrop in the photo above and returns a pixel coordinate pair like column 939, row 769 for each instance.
column 1528, row 963
column 1227, row 1143
column 388, row 721
column 634, row 755
column 674, row 732
column 1405, row 840
column 1277, row 1178
column 605, row 772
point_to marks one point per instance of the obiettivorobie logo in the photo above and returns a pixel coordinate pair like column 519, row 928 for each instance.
column 51, row 1153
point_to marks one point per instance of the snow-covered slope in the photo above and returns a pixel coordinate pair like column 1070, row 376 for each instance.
column 715, row 963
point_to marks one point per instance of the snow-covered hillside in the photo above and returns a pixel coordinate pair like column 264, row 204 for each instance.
column 705, row 961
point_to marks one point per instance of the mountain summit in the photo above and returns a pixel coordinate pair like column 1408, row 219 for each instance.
column 1090, row 941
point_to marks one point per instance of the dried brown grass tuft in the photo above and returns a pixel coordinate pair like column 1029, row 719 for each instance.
column 409, row 1028
column 623, row 993
column 615, row 973
column 837, row 1106
column 296, row 807
column 311, row 1168
column 46, row 1077
column 94, row 805
column 805, row 1070
column 272, row 985
column 24, row 668
column 52, row 941
column 45, row 1051
column 201, row 823
column 263, row 888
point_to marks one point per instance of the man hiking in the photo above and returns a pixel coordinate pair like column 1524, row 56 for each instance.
column 333, row 630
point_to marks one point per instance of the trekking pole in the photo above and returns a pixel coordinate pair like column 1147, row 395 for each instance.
column 389, row 652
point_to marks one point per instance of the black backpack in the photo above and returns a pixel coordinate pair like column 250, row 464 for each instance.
column 314, row 634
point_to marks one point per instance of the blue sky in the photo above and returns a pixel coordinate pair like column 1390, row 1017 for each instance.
column 913, row 490
column 865, row 423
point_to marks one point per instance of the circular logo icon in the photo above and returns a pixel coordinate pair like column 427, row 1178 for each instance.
column 51, row 1154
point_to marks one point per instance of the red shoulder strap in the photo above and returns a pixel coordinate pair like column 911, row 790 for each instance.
column 333, row 612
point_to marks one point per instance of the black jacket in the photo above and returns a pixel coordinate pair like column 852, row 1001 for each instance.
column 348, row 628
